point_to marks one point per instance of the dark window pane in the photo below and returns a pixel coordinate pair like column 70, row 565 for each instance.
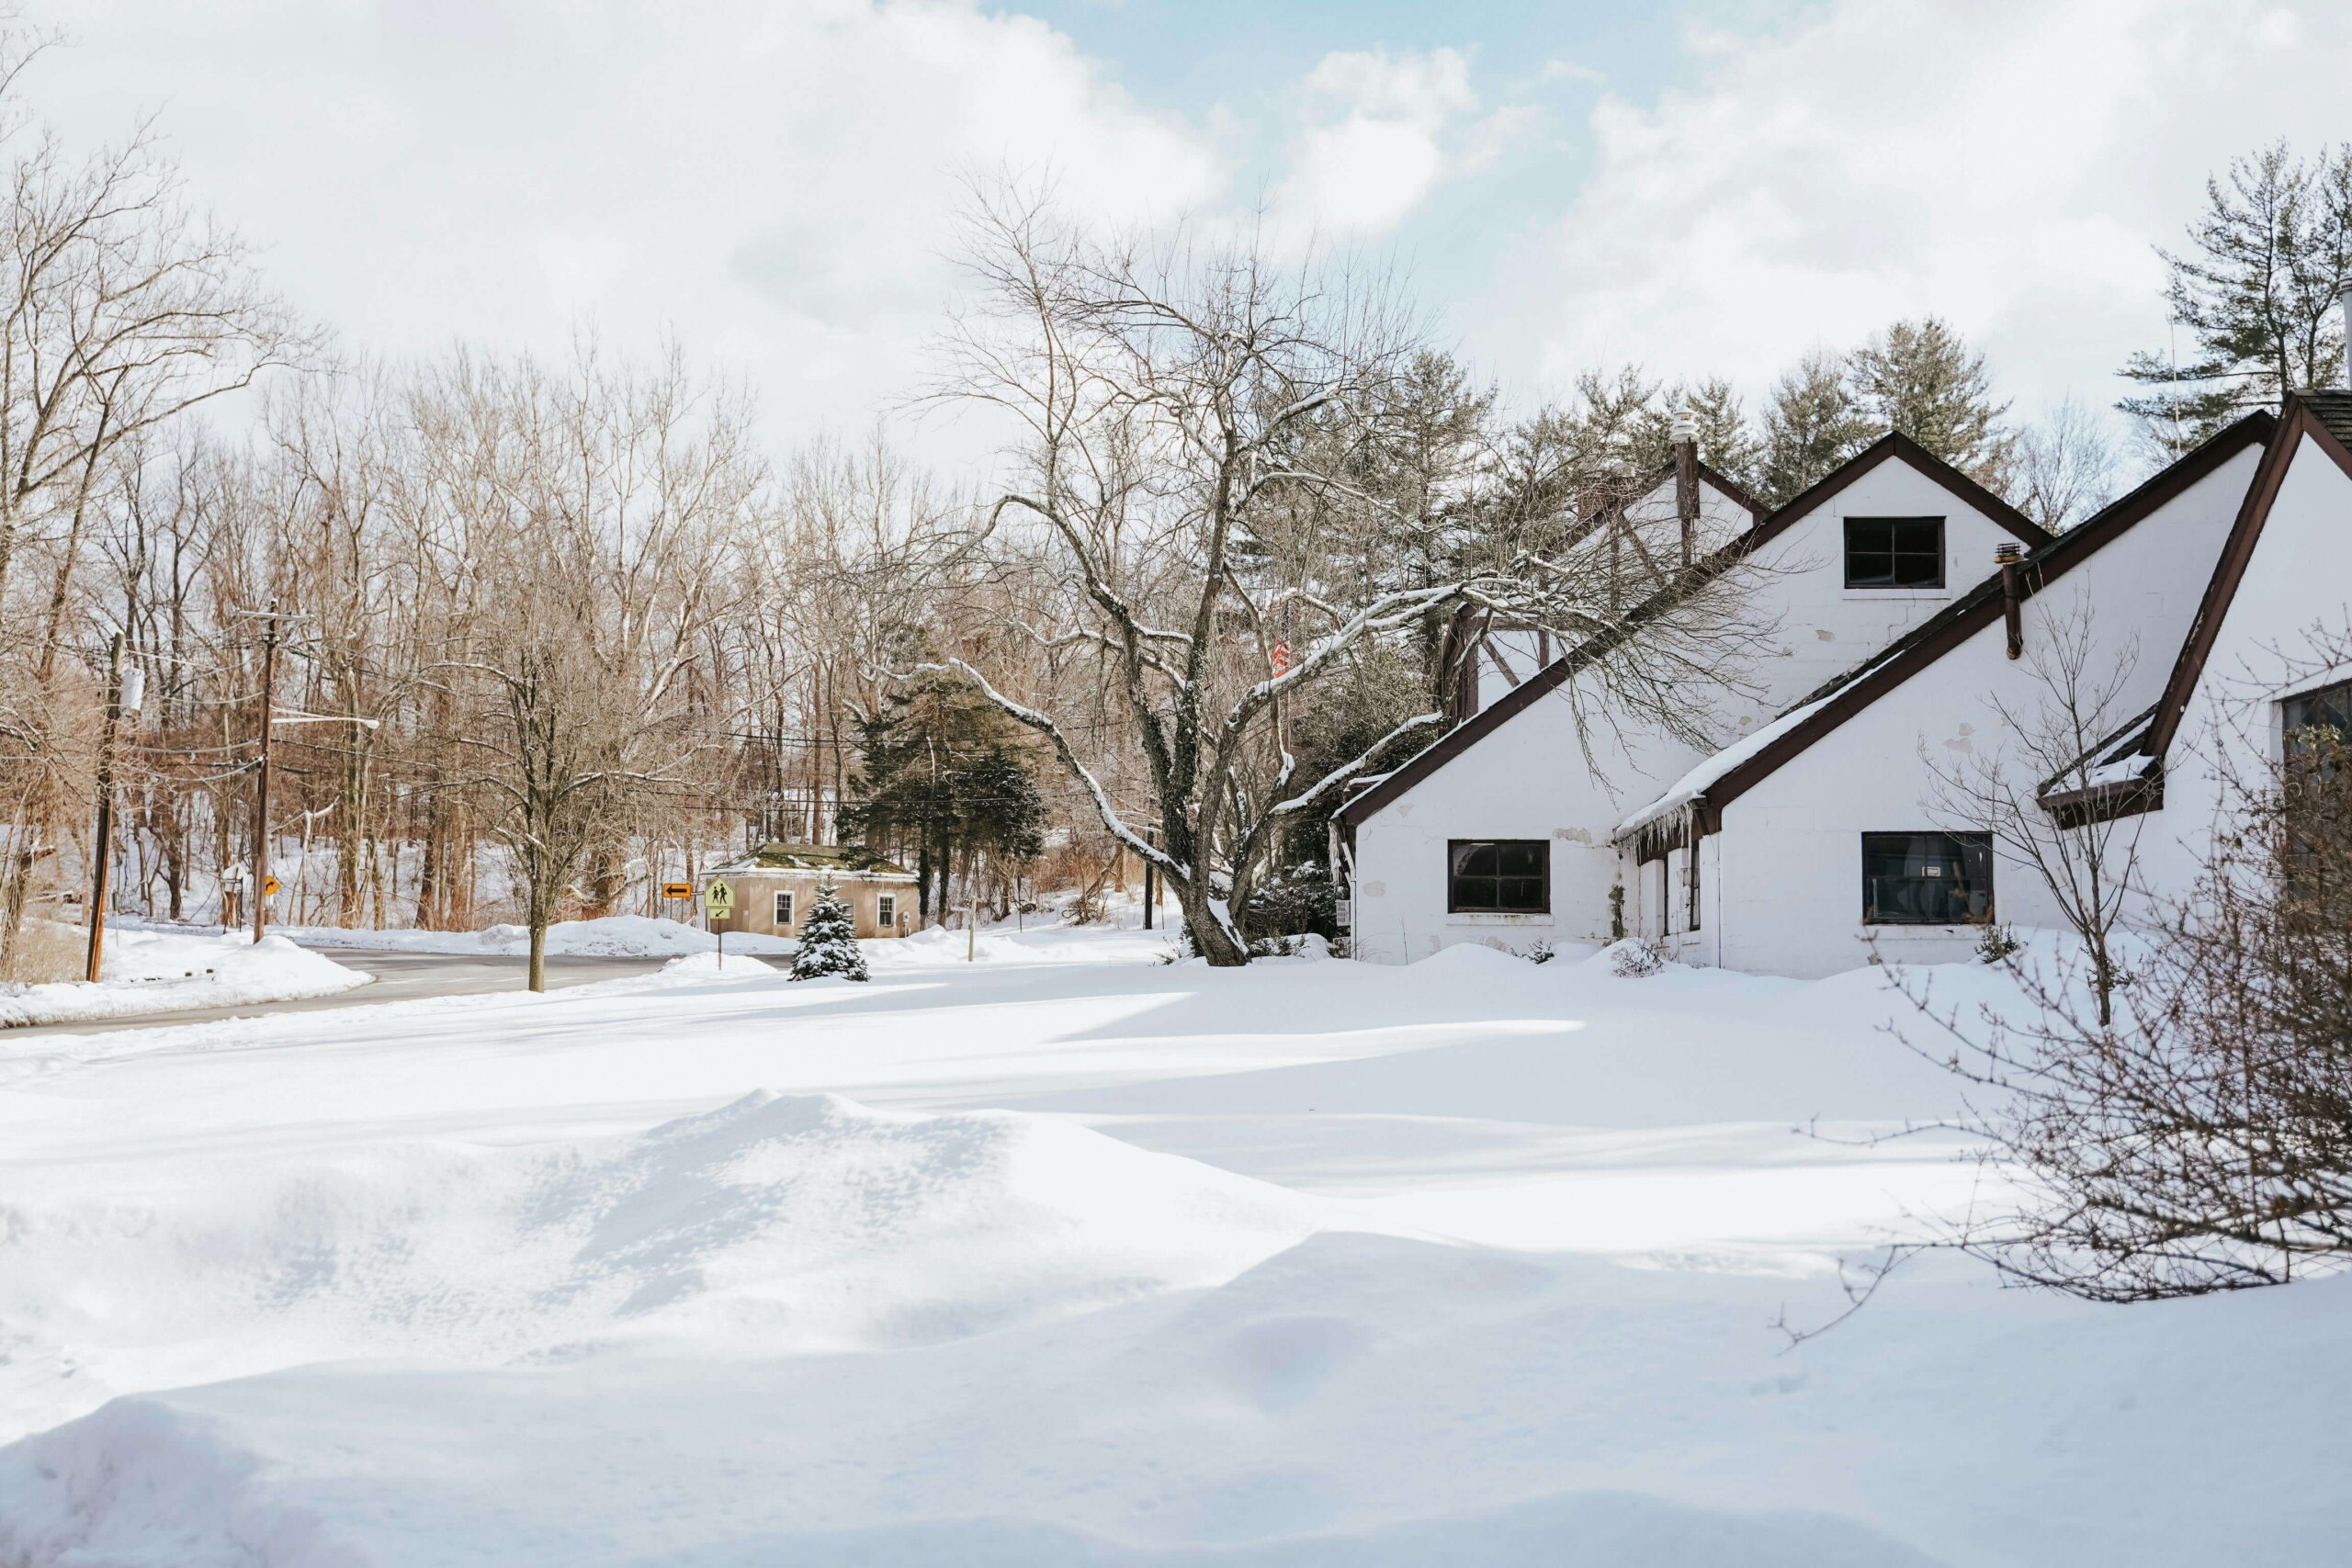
column 1498, row 876
column 1927, row 878
column 1894, row 552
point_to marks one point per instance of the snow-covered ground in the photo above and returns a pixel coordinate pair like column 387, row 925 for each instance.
column 1069, row 1257
column 166, row 970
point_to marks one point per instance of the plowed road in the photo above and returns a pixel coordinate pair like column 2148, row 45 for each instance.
column 399, row 976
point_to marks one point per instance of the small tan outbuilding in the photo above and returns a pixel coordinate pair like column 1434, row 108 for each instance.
column 776, row 885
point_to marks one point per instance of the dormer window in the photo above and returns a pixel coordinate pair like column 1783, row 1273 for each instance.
column 1894, row 552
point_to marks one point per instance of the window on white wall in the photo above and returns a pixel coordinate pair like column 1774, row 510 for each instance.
column 1498, row 876
column 1926, row 879
column 1894, row 552
column 2317, row 724
column 783, row 909
column 885, row 910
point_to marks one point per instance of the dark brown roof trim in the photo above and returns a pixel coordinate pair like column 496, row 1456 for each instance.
column 2105, row 803
column 2298, row 419
column 1979, row 607
column 1520, row 698
column 1895, row 443
column 1468, row 733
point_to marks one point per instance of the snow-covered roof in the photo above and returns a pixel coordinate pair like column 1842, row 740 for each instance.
column 1694, row 785
column 836, row 860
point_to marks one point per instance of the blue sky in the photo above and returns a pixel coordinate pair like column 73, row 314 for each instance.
column 1706, row 189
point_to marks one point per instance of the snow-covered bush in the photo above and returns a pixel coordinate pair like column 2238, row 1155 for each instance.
column 1636, row 957
column 828, row 942
column 1292, row 901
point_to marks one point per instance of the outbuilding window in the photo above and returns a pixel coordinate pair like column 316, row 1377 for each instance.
column 2318, row 724
column 1498, row 876
column 885, row 910
column 1894, row 552
column 1926, row 879
column 783, row 909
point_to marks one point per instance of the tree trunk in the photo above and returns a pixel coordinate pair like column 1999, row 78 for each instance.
column 538, row 951
column 1210, row 939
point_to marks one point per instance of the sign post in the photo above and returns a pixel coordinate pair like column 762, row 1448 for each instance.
column 718, row 904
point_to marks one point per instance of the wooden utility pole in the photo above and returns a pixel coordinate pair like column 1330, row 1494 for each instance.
column 261, row 785
column 103, row 860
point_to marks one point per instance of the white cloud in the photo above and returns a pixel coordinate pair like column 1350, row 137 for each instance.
column 1378, row 133
column 2008, row 165
column 774, row 183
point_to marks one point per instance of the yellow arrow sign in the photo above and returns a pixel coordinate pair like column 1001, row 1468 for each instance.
column 269, row 888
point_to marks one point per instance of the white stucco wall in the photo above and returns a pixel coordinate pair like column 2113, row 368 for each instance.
column 1786, row 897
column 2298, row 580
column 1532, row 778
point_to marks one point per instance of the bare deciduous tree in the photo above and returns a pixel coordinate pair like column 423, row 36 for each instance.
column 2055, row 800
column 1174, row 399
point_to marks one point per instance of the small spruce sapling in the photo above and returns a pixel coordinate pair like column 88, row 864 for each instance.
column 828, row 942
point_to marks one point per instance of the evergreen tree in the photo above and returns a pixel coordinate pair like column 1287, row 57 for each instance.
column 1000, row 811
column 1813, row 423
column 1922, row 378
column 946, row 773
column 829, row 941
column 2255, row 293
column 1727, row 442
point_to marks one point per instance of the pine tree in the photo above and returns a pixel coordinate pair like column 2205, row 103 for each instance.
column 1813, row 423
column 920, row 753
column 1922, row 378
column 1727, row 442
column 828, row 942
column 2255, row 292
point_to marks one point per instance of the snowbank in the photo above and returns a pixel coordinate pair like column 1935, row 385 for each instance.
column 149, row 971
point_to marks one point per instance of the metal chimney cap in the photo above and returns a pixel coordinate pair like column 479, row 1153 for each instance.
column 1685, row 426
column 2007, row 553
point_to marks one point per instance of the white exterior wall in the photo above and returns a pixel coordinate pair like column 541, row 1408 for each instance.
column 1787, row 875
column 1532, row 779
column 2298, row 580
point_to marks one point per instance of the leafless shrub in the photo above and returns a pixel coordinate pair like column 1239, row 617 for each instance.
column 2199, row 1137
column 1637, row 958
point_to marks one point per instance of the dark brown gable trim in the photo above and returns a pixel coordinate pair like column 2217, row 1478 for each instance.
column 1895, row 443
column 1981, row 608
column 2107, row 802
column 2295, row 422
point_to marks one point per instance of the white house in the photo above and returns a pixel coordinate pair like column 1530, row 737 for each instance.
column 1502, row 829
column 2255, row 664
column 1822, row 838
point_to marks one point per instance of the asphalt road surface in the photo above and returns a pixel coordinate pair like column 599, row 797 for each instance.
column 399, row 976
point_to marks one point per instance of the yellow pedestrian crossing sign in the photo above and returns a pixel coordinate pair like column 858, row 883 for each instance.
column 718, row 900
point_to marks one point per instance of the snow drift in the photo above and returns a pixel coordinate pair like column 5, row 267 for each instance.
column 166, row 971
